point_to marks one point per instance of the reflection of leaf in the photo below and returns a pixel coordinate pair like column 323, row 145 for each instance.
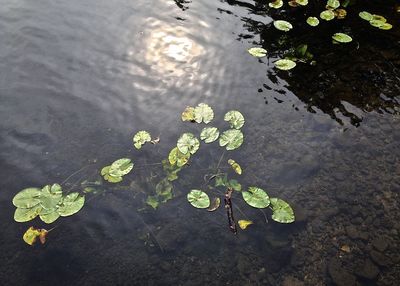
column 231, row 138
column 188, row 143
column 282, row 212
column 235, row 166
column 188, row 114
column 235, row 119
column 285, row 64
column 203, row 113
column 120, row 167
column 342, row 38
column 141, row 138
column 198, row 199
column 27, row 198
column 178, row 158
column 243, row 224
column 257, row 52
column 256, row 198
column 164, row 190
column 214, row 204
column 71, row 204
column 209, row 134
column 31, row 235
column 283, row 25
column 152, row 201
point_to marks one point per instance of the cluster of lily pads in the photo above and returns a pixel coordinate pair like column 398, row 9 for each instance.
column 49, row 203
column 333, row 9
column 119, row 168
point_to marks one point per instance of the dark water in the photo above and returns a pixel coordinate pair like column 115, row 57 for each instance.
column 79, row 78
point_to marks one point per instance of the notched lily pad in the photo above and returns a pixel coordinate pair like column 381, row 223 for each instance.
column 198, row 199
column 342, row 38
column 235, row 119
column 188, row 114
column 50, row 196
column 282, row 212
column 313, row 21
column 23, row 215
column 188, row 143
column 209, row 134
column 365, row 16
column 203, row 113
column 276, row 4
column 141, row 138
column 257, row 52
column 256, row 197
column 178, row 158
column 285, row 64
column 27, row 198
column 71, row 204
column 231, row 138
column 283, row 25
column 327, row 15
column 120, row 167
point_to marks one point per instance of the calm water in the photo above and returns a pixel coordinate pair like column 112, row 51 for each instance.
column 79, row 78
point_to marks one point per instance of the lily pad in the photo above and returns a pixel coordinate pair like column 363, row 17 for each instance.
column 285, row 64
column 378, row 18
column 49, row 217
column 235, row 166
column 257, row 52
column 27, row 198
column 120, row 167
column 215, row 203
column 282, row 212
column 302, row 2
column 188, row 114
column 198, row 199
column 141, row 138
column 243, row 224
column 235, row 119
column 32, row 234
column 385, row 26
column 152, row 201
column 342, row 38
column 188, row 143
column 50, row 196
column 283, row 25
column 313, row 21
column 203, row 113
column 256, row 198
column 340, row 13
column 333, row 4
column 71, row 204
column 327, row 15
column 23, row 215
column 178, row 158
column 276, row 4
column 209, row 134
column 365, row 16
column 231, row 138
column 164, row 190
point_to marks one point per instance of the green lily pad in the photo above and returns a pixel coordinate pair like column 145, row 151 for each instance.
column 256, row 198
column 235, row 119
column 209, row 134
column 198, row 199
column 235, row 166
column 49, row 217
column 171, row 170
column 231, row 138
column 385, row 26
column 257, row 52
column 282, row 212
column 276, row 4
column 141, row 138
column 152, row 201
column 27, row 198
column 71, row 204
column 203, row 113
column 327, row 15
column 51, row 196
column 188, row 143
column 112, row 179
column 23, row 215
column 365, row 16
column 333, row 4
column 302, row 2
column 313, row 21
column 188, row 114
column 342, row 38
column 285, row 64
column 178, row 158
column 283, row 25
column 378, row 18
column 120, row 167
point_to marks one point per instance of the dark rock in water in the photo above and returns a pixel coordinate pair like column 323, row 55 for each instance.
column 291, row 281
column 368, row 270
column 380, row 258
column 339, row 275
column 380, row 243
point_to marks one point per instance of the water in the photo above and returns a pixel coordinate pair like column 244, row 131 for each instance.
column 79, row 78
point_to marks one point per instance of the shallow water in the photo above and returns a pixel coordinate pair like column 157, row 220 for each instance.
column 79, row 78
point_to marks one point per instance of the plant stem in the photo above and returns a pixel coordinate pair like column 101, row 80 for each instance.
column 229, row 210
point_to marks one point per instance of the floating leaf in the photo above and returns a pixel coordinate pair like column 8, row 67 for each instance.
column 178, row 158
column 285, row 64
column 312, row 21
column 141, row 138
column 283, row 25
column 203, row 113
column 340, row 13
column 302, row 2
column 235, row 166
column 282, row 212
column 327, row 15
column 170, row 170
column 235, row 119
column 188, row 143
column 49, row 216
column 256, row 198
column 120, row 167
column 386, row 26
column 342, row 38
column 23, row 215
column 164, row 190
column 243, row 224
column 276, row 4
column 50, row 196
column 293, row 3
column 112, row 179
column 27, row 198
column 214, row 204
column 71, row 204
column 198, row 199
column 333, row 4
column 188, row 114
column 257, row 52
column 234, row 184
column 152, row 201
column 365, row 16
column 378, row 18
column 231, row 138
column 209, row 134
column 31, row 235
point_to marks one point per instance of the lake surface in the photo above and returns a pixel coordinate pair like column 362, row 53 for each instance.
column 79, row 78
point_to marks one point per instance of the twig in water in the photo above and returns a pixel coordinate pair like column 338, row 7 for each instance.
column 229, row 210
